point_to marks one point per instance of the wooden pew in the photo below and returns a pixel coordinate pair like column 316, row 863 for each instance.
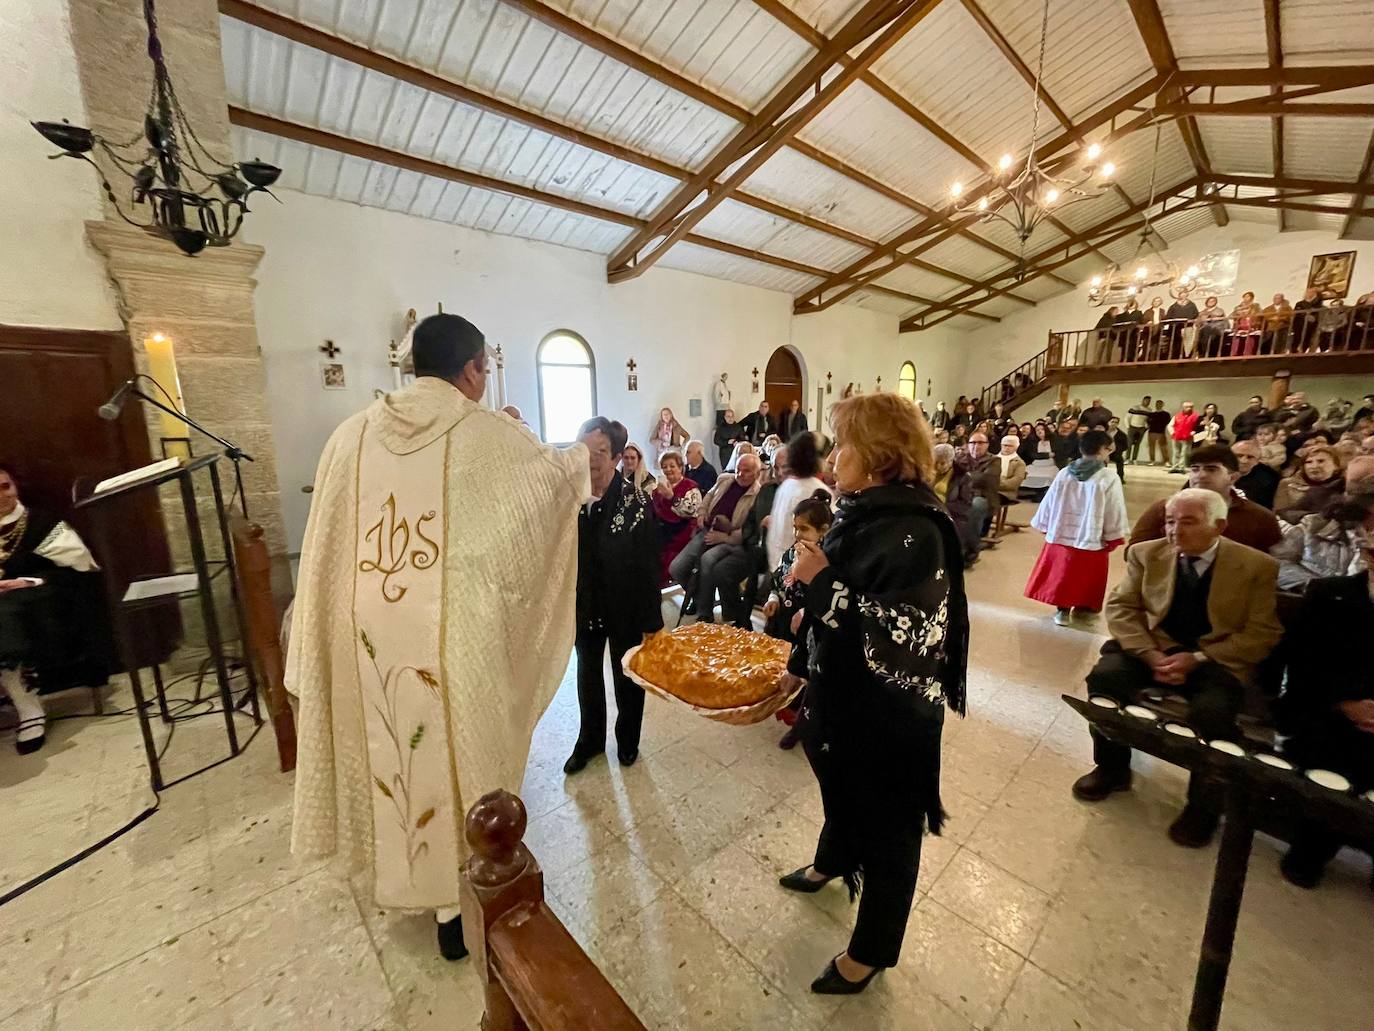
column 536, row 976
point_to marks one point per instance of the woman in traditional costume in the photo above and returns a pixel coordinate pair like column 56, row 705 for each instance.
column 677, row 503
column 51, row 617
column 886, row 651
column 1083, row 518
column 635, row 469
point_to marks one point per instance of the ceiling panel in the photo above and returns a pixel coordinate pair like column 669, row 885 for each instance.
column 738, row 223
column 691, row 258
column 1240, row 145
column 1325, row 148
column 1327, row 31
column 798, row 182
column 1216, row 33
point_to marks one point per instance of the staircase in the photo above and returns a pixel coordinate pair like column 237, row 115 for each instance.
column 1024, row 383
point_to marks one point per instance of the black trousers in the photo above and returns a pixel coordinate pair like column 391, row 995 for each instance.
column 1214, row 696
column 591, row 693
column 1137, row 435
column 862, row 832
column 1338, row 745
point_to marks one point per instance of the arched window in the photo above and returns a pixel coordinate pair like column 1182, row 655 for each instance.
column 567, row 385
column 906, row 381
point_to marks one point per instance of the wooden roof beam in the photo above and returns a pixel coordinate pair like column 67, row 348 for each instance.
column 769, row 130
column 314, row 137
column 1273, row 40
column 1329, row 77
column 1363, row 191
column 841, row 283
column 1150, row 23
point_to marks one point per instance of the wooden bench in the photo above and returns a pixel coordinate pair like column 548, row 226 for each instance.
column 536, row 976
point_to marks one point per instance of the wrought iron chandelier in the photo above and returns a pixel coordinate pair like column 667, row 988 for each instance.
column 1146, row 267
column 1027, row 197
column 194, row 199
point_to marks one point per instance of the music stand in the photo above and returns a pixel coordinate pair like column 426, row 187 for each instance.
column 142, row 593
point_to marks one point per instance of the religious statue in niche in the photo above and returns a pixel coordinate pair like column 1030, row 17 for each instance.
column 631, row 379
column 720, row 393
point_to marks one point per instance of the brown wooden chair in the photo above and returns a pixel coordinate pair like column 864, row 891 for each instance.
column 536, row 976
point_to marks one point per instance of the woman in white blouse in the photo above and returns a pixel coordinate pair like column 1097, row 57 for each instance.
column 802, row 480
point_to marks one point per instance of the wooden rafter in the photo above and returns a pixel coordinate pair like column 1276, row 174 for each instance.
column 314, row 137
column 1150, row 23
column 1267, row 108
column 1329, row 77
column 1291, row 183
column 1273, row 40
column 853, row 276
column 1041, row 263
column 767, row 131
column 1362, row 191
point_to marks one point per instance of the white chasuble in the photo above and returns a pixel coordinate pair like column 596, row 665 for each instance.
column 398, row 597
column 432, row 624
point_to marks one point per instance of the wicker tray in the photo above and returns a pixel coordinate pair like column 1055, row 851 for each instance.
column 739, row 716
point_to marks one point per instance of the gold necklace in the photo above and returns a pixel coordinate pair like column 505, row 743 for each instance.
column 9, row 540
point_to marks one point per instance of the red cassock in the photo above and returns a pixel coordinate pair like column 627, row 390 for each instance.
column 1070, row 578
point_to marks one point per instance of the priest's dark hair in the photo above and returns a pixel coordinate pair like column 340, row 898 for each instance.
column 444, row 344
column 615, row 432
column 1092, row 442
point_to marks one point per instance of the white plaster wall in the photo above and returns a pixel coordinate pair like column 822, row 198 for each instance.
column 49, row 275
column 1270, row 262
column 347, row 273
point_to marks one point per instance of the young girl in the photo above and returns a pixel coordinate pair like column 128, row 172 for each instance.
column 784, row 614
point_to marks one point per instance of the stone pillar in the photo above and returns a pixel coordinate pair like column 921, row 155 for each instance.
column 204, row 303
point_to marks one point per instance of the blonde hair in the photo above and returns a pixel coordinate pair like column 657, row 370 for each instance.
column 889, row 434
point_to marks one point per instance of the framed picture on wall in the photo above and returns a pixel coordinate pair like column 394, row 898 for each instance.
column 1330, row 274
column 332, row 376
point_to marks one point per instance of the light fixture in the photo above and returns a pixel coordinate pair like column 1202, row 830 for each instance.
column 1005, row 163
column 194, row 199
column 956, row 190
column 1149, row 268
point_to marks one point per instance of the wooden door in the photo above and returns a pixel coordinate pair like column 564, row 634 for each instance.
column 49, row 430
column 782, row 383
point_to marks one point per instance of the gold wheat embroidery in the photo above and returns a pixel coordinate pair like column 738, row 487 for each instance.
column 400, row 792
column 392, row 538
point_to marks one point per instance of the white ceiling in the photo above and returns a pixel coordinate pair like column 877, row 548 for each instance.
column 947, row 66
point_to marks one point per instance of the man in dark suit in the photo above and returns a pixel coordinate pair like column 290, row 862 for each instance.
column 1258, row 482
column 1328, row 707
column 1195, row 615
column 758, row 425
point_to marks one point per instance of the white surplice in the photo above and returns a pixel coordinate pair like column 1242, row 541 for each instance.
column 433, row 622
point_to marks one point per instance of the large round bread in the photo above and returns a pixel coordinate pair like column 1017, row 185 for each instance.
column 713, row 666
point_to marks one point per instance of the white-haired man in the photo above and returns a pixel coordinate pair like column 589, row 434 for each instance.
column 1195, row 614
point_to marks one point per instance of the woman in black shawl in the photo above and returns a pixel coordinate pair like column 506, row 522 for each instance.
column 885, row 651
column 51, row 620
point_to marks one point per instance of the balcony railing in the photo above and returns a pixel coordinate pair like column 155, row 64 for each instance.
column 1308, row 332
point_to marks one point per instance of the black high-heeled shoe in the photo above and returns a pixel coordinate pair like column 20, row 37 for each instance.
column 798, row 881
column 451, row 944
column 832, row 982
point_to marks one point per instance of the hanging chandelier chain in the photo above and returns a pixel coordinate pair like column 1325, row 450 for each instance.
column 1039, row 76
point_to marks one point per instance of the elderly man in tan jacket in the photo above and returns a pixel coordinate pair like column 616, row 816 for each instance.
column 1195, row 615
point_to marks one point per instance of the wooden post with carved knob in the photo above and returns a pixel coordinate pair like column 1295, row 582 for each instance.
column 263, row 629
column 535, row 975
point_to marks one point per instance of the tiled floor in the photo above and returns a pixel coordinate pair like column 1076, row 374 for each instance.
column 1034, row 911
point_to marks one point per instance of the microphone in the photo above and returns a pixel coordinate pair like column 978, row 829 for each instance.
column 110, row 410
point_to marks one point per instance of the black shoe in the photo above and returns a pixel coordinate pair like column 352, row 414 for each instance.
column 451, row 944
column 1299, row 870
column 1193, row 828
column 577, row 762
column 832, row 982
column 1097, row 785
column 627, row 757
column 789, row 740
column 798, row 881
column 32, row 745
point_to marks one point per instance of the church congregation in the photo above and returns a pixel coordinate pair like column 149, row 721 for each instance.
column 686, row 515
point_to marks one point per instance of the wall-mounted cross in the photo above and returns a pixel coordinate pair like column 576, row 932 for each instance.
column 329, row 350
column 631, row 365
column 756, row 372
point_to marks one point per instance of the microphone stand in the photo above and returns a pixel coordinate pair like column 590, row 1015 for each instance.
column 235, row 453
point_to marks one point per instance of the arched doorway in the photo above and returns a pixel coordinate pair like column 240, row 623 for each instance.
column 782, row 382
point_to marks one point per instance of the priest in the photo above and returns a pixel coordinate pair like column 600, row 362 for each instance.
column 433, row 622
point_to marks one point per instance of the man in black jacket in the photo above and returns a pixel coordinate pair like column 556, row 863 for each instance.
column 1096, row 416
column 1247, row 423
column 618, row 570
column 728, row 433
column 759, row 425
column 1328, row 707
column 1066, row 446
column 1180, row 314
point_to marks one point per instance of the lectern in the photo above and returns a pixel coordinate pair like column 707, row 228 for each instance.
column 129, row 596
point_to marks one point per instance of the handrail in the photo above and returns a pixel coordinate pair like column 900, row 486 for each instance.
column 1029, row 375
column 1310, row 331
column 536, row 976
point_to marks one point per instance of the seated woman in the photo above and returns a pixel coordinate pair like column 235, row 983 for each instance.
column 635, row 469
column 677, row 503
column 886, row 652
column 1211, row 325
column 1328, row 543
column 1315, row 485
column 51, row 611
column 1037, row 451
column 1247, row 318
